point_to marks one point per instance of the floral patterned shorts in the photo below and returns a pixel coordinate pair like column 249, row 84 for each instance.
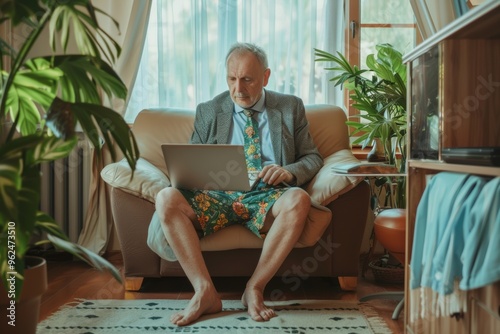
column 217, row 209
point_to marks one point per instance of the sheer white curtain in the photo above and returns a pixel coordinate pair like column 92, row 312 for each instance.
column 183, row 58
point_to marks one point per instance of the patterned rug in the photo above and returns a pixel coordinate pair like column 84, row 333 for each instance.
column 141, row 316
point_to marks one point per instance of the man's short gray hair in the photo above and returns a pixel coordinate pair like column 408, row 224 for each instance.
column 249, row 47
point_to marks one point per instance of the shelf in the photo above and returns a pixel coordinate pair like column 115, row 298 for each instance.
column 443, row 166
column 453, row 102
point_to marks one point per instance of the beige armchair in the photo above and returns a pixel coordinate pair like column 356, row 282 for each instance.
column 331, row 241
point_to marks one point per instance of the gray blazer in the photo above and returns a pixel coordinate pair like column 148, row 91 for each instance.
column 293, row 146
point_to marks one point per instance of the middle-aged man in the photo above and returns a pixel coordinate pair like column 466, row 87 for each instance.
column 274, row 130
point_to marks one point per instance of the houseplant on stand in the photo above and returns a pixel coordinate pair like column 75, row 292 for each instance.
column 378, row 92
column 43, row 100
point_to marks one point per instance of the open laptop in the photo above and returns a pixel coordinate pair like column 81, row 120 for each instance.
column 208, row 166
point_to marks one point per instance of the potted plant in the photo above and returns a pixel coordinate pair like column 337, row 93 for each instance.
column 42, row 101
column 379, row 94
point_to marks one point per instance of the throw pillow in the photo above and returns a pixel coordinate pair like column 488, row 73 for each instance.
column 148, row 180
column 327, row 185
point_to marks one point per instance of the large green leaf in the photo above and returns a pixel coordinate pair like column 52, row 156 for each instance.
column 52, row 148
column 79, row 16
column 32, row 88
column 96, row 121
column 24, row 111
column 79, row 79
column 47, row 224
column 83, row 75
column 84, row 254
column 16, row 146
column 99, row 121
column 348, row 74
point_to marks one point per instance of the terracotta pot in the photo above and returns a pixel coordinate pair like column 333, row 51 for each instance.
column 390, row 231
column 26, row 309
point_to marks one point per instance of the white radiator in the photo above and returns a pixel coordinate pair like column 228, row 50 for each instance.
column 65, row 189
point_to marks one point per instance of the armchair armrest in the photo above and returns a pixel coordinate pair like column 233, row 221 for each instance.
column 147, row 181
column 327, row 186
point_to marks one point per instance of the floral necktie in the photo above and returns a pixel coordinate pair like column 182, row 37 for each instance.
column 252, row 142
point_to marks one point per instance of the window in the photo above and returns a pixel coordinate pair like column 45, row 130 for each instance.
column 183, row 58
column 372, row 22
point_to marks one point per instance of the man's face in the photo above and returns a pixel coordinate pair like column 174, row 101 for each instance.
column 246, row 78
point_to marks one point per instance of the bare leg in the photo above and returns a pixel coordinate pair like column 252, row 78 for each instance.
column 289, row 212
column 177, row 219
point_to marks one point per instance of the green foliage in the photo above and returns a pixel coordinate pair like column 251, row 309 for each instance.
column 378, row 92
column 43, row 100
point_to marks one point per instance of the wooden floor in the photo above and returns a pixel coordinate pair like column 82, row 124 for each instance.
column 70, row 280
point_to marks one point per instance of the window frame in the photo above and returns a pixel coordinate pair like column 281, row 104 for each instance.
column 353, row 41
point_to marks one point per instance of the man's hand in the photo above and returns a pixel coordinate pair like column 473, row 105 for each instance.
column 275, row 174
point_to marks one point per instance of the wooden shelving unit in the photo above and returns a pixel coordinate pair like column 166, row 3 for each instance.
column 454, row 99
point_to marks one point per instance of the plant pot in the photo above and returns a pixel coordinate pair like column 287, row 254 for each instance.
column 26, row 310
column 390, row 231
column 377, row 154
column 387, row 273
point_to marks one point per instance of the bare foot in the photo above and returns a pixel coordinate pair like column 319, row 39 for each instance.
column 253, row 300
column 203, row 302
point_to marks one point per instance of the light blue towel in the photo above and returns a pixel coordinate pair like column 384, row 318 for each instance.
column 440, row 201
column 447, row 264
column 481, row 254
column 457, row 233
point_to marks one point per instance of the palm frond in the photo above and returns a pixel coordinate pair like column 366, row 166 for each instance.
column 79, row 17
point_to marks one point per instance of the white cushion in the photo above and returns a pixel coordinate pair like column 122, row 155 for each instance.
column 146, row 182
column 327, row 186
